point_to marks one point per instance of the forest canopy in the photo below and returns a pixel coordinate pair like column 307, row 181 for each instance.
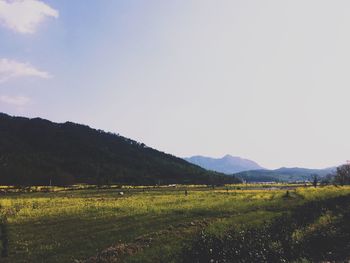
column 40, row 152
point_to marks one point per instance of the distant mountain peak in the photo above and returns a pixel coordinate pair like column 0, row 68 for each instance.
column 229, row 156
column 228, row 164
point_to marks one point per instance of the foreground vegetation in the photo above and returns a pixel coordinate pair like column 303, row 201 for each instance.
column 163, row 224
column 317, row 231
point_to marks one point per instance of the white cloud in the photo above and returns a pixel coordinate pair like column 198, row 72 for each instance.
column 18, row 101
column 10, row 69
column 24, row 16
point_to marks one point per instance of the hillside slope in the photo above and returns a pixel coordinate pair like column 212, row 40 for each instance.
column 37, row 151
column 227, row 164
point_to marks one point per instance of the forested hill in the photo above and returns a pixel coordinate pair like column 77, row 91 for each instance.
column 37, row 151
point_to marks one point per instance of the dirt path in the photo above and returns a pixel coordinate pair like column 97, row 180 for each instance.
column 120, row 251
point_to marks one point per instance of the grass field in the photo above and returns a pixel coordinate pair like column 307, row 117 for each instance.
column 145, row 224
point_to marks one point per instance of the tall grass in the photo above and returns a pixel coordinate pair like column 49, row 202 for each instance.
column 61, row 225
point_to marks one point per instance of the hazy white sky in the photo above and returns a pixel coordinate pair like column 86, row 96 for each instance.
column 265, row 80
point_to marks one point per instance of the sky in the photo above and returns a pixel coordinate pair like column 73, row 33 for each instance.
column 265, row 80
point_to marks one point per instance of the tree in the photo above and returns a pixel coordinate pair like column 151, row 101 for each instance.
column 327, row 179
column 315, row 180
column 342, row 176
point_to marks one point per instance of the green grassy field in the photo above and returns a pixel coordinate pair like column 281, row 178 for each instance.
column 143, row 225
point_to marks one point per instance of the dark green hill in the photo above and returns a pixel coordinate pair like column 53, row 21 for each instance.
column 37, row 151
column 284, row 174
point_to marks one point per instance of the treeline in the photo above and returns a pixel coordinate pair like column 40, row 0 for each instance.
column 284, row 174
column 40, row 152
column 342, row 176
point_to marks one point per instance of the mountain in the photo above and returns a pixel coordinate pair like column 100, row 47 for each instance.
column 37, row 152
column 284, row 174
column 227, row 164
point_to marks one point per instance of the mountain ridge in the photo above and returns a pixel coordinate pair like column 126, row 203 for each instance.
column 227, row 164
column 284, row 174
column 38, row 152
column 251, row 171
